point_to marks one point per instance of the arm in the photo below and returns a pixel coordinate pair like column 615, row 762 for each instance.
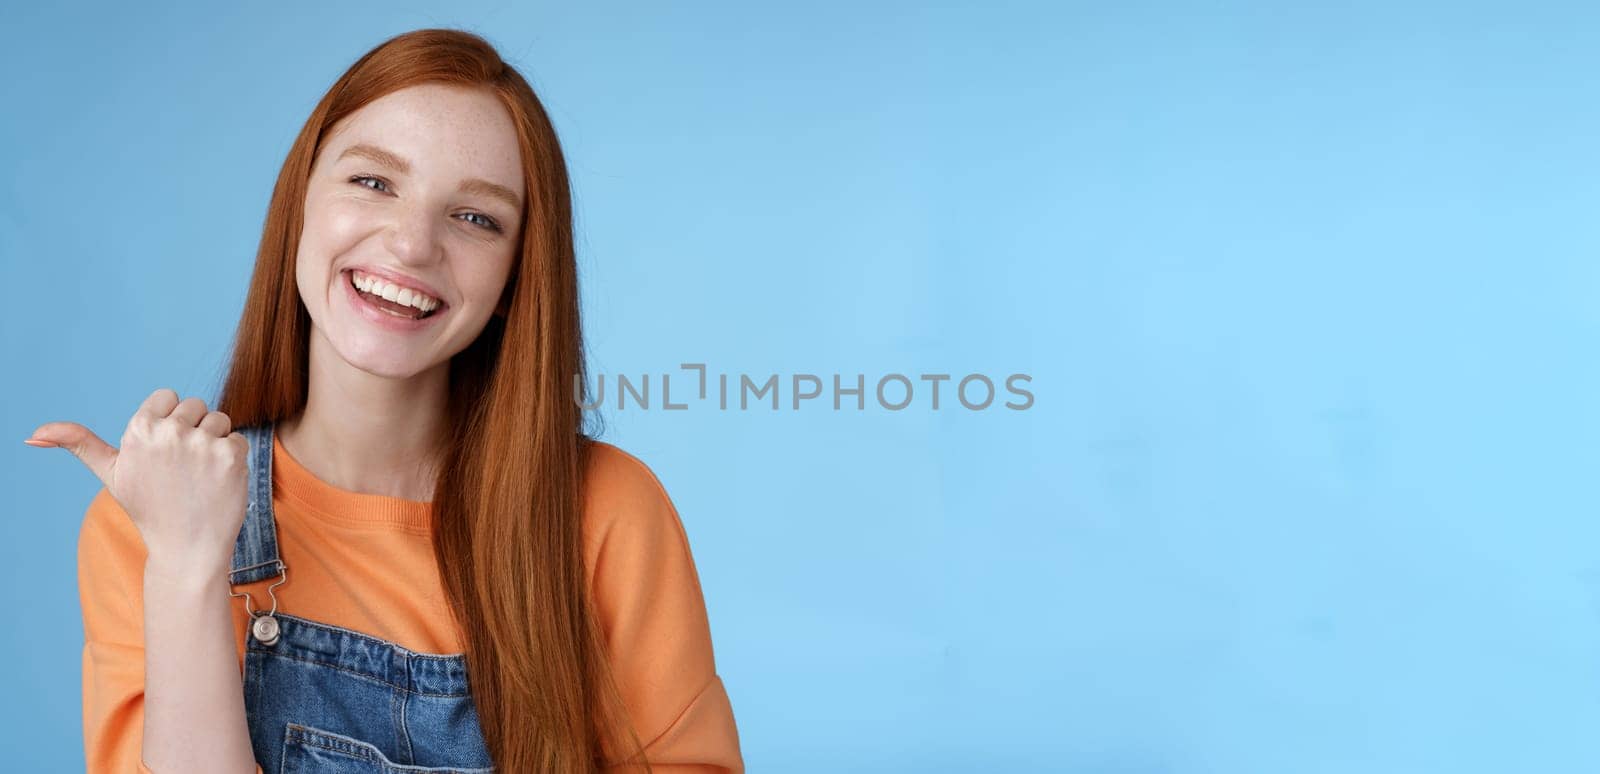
column 194, row 703
column 652, row 612
column 164, row 523
column 192, row 639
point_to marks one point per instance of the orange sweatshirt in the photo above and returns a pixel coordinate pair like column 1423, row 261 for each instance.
column 365, row 562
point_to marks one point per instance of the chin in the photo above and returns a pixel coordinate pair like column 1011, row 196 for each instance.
column 386, row 363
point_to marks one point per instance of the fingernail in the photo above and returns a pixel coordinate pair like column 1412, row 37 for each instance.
column 40, row 444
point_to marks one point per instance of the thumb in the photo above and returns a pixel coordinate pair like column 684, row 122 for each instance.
column 95, row 454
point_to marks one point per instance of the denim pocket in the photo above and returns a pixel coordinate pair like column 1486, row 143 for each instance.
column 308, row 750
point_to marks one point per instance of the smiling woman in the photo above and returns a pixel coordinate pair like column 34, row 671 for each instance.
column 478, row 584
column 411, row 191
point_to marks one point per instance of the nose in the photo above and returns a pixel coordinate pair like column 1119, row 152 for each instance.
column 413, row 237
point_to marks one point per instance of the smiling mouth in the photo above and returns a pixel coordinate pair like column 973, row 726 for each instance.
column 394, row 299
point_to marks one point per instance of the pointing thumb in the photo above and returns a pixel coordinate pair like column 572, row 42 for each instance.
column 97, row 455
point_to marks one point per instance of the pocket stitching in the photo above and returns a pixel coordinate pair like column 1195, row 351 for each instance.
column 311, row 736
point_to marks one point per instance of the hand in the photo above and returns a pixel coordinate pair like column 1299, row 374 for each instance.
column 180, row 475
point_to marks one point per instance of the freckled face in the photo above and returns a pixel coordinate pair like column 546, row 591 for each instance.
column 413, row 183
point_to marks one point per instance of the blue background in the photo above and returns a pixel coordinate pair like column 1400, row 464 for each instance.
column 1306, row 296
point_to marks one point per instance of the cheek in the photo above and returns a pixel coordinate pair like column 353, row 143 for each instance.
column 335, row 225
column 487, row 278
column 330, row 230
column 310, row 276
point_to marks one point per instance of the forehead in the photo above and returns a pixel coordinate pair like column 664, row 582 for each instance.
column 440, row 129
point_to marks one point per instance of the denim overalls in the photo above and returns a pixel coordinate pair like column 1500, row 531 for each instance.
column 321, row 699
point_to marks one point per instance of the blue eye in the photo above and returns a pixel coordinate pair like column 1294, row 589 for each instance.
column 359, row 178
column 486, row 223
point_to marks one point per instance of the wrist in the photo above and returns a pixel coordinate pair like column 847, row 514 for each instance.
column 184, row 572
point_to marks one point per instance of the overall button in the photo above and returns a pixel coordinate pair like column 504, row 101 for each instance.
column 265, row 629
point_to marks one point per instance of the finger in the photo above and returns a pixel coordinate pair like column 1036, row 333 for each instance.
column 97, row 455
column 189, row 412
column 159, row 404
column 216, row 423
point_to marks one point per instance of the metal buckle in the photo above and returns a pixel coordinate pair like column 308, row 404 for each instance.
column 264, row 625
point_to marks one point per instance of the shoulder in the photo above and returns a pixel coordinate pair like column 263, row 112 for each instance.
column 626, row 508
column 615, row 479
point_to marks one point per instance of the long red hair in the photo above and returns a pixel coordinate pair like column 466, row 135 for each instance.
column 508, row 499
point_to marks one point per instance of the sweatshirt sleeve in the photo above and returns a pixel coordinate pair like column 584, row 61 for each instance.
column 653, row 614
column 110, row 593
column 110, row 583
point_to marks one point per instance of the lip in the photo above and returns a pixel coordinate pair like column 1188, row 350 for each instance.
column 381, row 318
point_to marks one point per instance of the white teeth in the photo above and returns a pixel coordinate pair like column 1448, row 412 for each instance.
column 392, row 292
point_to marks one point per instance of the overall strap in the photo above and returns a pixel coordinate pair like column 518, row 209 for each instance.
column 255, row 553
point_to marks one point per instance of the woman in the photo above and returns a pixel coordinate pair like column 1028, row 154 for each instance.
column 399, row 428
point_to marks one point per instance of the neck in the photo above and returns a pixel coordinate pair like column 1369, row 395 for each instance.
column 367, row 433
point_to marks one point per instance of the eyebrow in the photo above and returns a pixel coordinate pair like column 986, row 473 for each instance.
column 394, row 161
